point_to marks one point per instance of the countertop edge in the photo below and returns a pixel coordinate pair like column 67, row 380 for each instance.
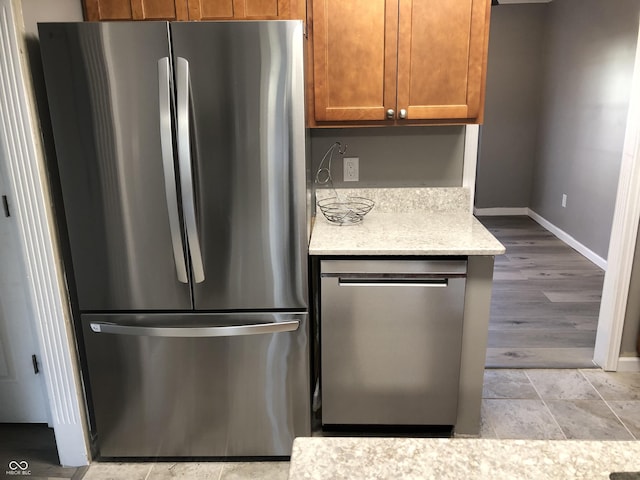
column 410, row 253
column 408, row 234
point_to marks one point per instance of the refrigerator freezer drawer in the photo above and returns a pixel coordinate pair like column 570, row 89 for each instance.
column 217, row 385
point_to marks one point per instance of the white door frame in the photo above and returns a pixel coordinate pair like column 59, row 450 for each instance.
column 20, row 135
column 615, row 292
column 23, row 397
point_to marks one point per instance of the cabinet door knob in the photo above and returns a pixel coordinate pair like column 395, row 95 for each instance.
column 390, row 113
column 403, row 113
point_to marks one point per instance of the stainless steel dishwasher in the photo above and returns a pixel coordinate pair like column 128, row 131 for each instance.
column 391, row 333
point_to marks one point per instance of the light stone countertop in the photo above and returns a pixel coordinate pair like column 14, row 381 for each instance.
column 406, row 221
column 414, row 233
column 470, row 459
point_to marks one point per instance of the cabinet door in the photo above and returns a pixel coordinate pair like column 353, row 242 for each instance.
column 244, row 9
column 95, row 10
column 441, row 58
column 354, row 58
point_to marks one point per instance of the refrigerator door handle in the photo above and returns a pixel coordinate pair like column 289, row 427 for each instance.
column 186, row 171
column 196, row 332
column 166, row 143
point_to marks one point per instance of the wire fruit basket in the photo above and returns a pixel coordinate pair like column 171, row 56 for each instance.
column 348, row 211
column 336, row 209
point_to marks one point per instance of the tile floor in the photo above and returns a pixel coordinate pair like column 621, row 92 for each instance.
column 189, row 471
column 519, row 404
column 561, row 404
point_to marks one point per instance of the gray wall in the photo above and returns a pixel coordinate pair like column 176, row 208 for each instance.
column 558, row 85
column 585, row 62
column 395, row 157
column 589, row 56
column 508, row 136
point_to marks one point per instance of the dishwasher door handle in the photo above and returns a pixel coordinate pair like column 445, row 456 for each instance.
column 393, row 282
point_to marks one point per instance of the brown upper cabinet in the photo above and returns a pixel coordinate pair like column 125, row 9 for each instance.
column 95, row 10
column 193, row 9
column 398, row 61
column 246, row 9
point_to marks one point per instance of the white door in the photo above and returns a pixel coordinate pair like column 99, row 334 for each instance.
column 22, row 396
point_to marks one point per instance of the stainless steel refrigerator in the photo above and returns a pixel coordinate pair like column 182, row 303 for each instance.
column 181, row 158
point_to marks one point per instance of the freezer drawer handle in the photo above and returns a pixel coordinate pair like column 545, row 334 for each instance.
column 196, row 332
column 393, row 282
column 166, row 142
column 186, row 172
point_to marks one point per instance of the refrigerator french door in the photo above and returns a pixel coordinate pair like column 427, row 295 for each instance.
column 181, row 157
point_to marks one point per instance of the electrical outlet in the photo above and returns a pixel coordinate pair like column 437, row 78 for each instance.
column 351, row 170
column 564, row 200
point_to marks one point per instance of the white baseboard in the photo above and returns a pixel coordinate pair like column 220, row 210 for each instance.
column 561, row 234
column 569, row 240
column 629, row 364
column 500, row 212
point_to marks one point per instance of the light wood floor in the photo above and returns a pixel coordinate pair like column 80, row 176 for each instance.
column 545, row 302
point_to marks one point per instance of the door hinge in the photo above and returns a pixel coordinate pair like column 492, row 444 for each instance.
column 5, row 205
column 34, row 360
